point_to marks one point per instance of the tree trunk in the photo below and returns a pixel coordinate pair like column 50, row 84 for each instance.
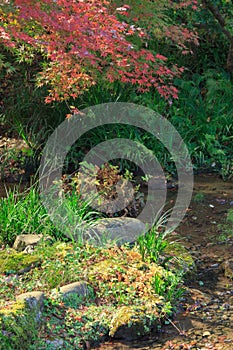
column 230, row 57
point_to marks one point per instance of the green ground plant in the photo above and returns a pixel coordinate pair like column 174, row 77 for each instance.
column 154, row 242
column 119, row 281
column 199, row 197
column 226, row 229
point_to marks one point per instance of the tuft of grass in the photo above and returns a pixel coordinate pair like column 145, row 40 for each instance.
column 199, row 197
column 154, row 242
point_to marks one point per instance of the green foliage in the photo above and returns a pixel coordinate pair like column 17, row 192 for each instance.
column 24, row 213
column 205, row 120
column 18, row 327
column 230, row 216
column 226, row 229
column 118, row 280
column 169, row 286
column 199, row 197
column 154, row 242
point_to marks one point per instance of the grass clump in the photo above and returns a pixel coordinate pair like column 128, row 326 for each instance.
column 24, row 213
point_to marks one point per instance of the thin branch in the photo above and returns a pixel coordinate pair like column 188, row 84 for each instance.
column 217, row 15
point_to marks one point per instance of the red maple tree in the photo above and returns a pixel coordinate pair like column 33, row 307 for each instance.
column 81, row 42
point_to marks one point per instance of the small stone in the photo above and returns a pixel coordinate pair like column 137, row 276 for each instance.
column 214, row 266
column 226, row 306
column 55, row 343
column 206, row 334
column 224, row 317
column 29, row 249
column 22, row 241
column 80, row 288
column 227, row 267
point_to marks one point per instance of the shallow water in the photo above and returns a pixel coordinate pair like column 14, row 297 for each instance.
column 204, row 318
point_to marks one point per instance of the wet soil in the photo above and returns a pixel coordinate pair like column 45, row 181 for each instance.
column 204, row 318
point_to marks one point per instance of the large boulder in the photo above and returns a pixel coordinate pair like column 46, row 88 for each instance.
column 121, row 230
column 35, row 301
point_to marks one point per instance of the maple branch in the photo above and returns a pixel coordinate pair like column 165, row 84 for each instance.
column 217, row 15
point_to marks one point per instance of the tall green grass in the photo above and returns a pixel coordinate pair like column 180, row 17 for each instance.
column 24, row 213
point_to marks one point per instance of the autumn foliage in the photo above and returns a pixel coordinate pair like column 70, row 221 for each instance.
column 82, row 42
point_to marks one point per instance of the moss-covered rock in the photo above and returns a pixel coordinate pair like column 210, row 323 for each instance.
column 14, row 262
column 132, row 322
column 183, row 260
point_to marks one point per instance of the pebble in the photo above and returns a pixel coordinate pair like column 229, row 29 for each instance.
column 214, row 265
column 226, row 306
column 224, row 317
column 206, row 334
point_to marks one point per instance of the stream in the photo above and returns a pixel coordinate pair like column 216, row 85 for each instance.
column 204, row 317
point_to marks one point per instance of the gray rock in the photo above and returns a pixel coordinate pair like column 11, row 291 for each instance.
column 56, row 343
column 121, row 230
column 35, row 301
column 29, row 249
column 22, row 241
column 80, row 288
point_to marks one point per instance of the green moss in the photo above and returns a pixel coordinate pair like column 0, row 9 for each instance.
column 182, row 258
column 13, row 262
column 131, row 322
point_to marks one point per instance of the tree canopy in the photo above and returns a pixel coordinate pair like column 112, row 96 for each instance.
column 81, row 42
